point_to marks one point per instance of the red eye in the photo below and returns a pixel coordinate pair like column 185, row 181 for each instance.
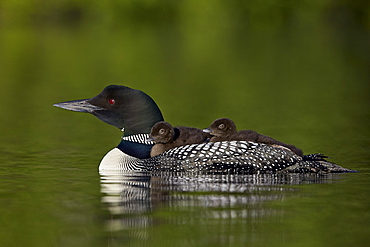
column 111, row 101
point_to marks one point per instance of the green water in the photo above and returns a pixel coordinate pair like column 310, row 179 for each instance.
column 298, row 72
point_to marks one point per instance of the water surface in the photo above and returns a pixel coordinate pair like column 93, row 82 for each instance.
column 296, row 72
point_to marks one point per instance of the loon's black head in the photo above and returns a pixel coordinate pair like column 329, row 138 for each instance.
column 222, row 127
column 162, row 132
column 123, row 107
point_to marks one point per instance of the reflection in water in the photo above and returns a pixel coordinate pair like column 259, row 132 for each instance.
column 133, row 197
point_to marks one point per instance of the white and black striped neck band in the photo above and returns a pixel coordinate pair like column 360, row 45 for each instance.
column 140, row 138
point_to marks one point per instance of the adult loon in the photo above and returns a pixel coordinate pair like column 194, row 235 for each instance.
column 167, row 137
column 224, row 129
column 136, row 112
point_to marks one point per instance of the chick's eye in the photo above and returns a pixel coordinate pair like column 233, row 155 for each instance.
column 161, row 131
column 111, row 101
column 221, row 126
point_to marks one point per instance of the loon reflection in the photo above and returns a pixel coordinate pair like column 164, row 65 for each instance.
column 134, row 199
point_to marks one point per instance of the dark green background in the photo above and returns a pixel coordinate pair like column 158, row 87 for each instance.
column 294, row 70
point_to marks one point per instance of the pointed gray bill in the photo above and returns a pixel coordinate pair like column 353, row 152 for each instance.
column 208, row 130
column 79, row 106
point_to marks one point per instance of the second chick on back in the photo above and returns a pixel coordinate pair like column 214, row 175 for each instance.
column 166, row 137
column 224, row 129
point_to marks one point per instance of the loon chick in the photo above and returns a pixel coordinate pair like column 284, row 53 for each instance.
column 136, row 113
column 224, row 129
column 167, row 137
